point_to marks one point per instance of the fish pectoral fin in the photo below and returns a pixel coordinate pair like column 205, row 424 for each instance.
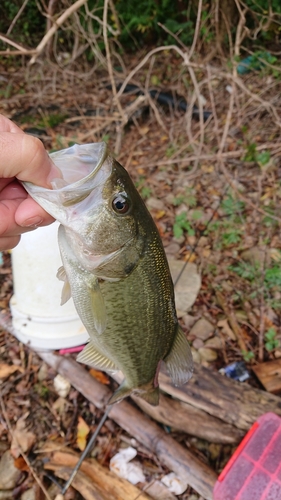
column 91, row 356
column 147, row 392
column 179, row 361
column 61, row 274
column 66, row 290
column 97, row 306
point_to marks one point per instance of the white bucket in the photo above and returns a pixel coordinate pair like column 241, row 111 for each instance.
column 37, row 316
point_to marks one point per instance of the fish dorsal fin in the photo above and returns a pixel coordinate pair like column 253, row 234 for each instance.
column 66, row 290
column 179, row 361
column 91, row 356
column 97, row 306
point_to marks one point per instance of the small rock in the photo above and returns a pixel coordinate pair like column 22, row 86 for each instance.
column 158, row 491
column 188, row 286
column 202, row 329
column 9, row 474
column 207, row 354
column 277, row 353
column 197, row 343
column 28, row 495
column 170, row 198
column 256, row 255
column 203, row 241
column 172, row 248
column 188, row 320
column 7, row 495
column 180, row 240
column 43, row 372
column 154, row 203
column 213, row 343
column 181, row 209
column 195, row 355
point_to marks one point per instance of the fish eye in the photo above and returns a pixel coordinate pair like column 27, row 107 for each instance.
column 120, row 204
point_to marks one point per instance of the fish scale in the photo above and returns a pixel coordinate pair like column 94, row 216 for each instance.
column 115, row 268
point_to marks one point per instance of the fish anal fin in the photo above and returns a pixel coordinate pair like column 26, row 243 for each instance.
column 98, row 307
column 179, row 361
column 66, row 290
column 92, row 357
column 122, row 392
column 147, row 392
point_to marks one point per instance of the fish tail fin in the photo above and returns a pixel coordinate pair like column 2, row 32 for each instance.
column 147, row 392
column 179, row 361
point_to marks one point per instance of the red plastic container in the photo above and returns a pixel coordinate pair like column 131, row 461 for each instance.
column 254, row 471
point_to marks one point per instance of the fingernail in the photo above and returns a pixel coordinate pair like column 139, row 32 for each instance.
column 32, row 222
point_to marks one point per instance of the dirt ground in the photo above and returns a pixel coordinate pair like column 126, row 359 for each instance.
column 214, row 191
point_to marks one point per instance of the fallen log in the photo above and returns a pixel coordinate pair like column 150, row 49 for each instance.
column 81, row 483
column 233, row 402
column 169, row 452
column 185, row 417
column 103, row 480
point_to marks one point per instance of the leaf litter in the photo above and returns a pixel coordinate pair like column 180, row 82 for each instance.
column 236, row 231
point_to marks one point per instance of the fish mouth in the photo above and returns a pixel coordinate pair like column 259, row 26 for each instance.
column 79, row 163
column 81, row 168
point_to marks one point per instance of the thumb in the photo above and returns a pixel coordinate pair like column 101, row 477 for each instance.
column 24, row 156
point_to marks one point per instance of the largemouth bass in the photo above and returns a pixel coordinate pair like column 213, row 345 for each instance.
column 115, row 269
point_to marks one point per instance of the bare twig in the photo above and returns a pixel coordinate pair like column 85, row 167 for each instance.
column 197, row 27
column 20, row 49
column 21, row 9
column 123, row 117
column 40, row 47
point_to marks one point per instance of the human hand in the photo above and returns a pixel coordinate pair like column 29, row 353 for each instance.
column 22, row 158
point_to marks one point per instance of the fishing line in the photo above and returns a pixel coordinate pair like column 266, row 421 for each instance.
column 87, row 449
column 201, row 233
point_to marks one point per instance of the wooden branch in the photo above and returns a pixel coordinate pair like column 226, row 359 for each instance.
column 184, row 417
column 170, row 453
column 105, row 481
column 20, row 49
column 81, row 483
column 46, row 38
column 237, row 403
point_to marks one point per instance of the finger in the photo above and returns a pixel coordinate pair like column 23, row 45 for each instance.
column 18, row 216
column 11, row 189
column 30, row 215
column 6, row 243
column 7, row 125
column 24, row 156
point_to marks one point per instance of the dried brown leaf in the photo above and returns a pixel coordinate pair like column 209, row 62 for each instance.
column 7, row 370
column 23, row 440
